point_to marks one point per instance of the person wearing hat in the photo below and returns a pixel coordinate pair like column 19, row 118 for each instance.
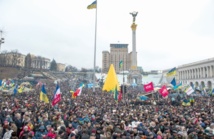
column 24, row 133
column 72, row 136
column 41, row 132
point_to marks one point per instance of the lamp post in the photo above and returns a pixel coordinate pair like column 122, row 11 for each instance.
column 1, row 39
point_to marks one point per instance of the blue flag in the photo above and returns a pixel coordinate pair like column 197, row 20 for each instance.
column 213, row 91
column 177, row 86
column 15, row 90
column 173, row 82
column 143, row 98
column 0, row 82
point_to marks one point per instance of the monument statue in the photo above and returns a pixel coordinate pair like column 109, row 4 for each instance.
column 134, row 75
column 134, row 14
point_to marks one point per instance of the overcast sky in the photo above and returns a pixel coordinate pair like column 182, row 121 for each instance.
column 169, row 32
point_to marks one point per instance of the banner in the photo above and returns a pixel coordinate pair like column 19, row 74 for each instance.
column 148, row 87
column 163, row 91
column 188, row 90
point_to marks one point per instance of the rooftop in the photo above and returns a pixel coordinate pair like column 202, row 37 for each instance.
column 119, row 45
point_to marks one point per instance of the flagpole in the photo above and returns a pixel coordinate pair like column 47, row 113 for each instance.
column 123, row 79
column 95, row 44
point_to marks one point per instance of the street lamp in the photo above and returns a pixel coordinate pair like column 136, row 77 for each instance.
column 1, row 39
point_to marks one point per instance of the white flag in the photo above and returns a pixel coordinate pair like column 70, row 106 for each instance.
column 189, row 90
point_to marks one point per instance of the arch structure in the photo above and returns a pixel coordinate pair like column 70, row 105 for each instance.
column 199, row 74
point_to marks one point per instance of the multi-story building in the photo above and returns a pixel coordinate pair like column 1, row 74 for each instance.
column 60, row 67
column 39, row 62
column 198, row 74
column 14, row 59
column 106, row 61
column 118, row 52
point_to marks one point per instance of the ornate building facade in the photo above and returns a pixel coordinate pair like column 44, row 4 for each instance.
column 198, row 74
column 39, row 62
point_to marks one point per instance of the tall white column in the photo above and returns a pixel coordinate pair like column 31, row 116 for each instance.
column 134, row 52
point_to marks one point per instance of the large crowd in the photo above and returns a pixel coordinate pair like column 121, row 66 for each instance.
column 96, row 115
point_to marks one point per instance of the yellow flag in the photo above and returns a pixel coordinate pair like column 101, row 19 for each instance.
column 21, row 89
column 111, row 80
column 72, row 95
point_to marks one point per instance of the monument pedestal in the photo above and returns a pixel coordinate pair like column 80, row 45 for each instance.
column 134, row 76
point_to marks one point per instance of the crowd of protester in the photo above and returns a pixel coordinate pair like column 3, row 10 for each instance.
column 96, row 115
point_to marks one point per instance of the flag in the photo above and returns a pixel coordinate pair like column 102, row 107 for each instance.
column 72, row 95
column 186, row 102
column 116, row 93
column 15, row 90
column 78, row 91
column 143, row 98
column 173, row 82
column 171, row 72
column 177, row 86
column 121, row 64
column 21, row 89
column 120, row 95
column 93, row 5
column 57, row 96
column 148, row 87
column 43, row 95
column 111, row 80
column 38, row 84
column 163, row 91
column 213, row 91
column 188, row 90
column 192, row 100
column 0, row 82
column 82, row 84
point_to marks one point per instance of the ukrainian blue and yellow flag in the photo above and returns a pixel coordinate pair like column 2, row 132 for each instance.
column 172, row 72
column 121, row 64
column 178, row 86
column 192, row 100
column 43, row 95
column 93, row 5
column 186, row 103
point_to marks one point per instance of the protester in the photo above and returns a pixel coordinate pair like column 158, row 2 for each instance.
column 97, row 115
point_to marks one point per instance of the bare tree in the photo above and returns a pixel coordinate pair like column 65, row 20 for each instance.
column 28, row 61
column 70, row 68
column 3, row 58
column 15, row 58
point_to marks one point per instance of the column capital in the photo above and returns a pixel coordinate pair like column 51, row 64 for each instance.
column 134, row 26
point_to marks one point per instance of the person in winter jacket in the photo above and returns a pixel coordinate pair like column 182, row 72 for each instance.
column 51, row 134
column 25, row 133
column 69, row 129
column 8, row 133
column 42, row 132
